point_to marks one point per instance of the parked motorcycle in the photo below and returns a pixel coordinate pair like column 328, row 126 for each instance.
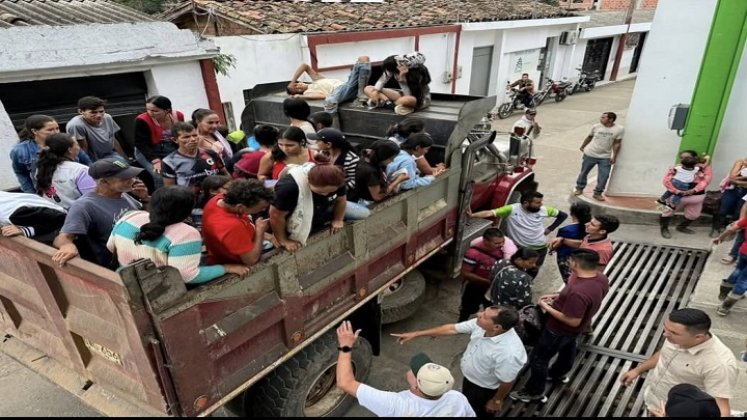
column 552, row 87
column 585, row 81
column 513, row 102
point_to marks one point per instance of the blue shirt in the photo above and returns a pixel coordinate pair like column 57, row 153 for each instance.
column 23, row 159
column 405, row 161
column 574, row 231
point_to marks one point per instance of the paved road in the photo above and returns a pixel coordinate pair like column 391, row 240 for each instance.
column 564, row 127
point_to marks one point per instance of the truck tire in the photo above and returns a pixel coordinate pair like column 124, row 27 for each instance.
column 304, row 386
column 404, row 298
column 504, row 111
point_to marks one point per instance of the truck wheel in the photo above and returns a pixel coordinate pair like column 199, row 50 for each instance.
column 304, row 386
column 403, row 298
column 504, row 111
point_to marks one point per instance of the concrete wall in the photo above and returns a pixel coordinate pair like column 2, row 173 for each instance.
column 182, row 83
column 649, row 147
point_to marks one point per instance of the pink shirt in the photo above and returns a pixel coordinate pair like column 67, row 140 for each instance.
column 603, row 247
column 480, row 260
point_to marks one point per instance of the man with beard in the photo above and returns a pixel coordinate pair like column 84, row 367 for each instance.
column 692, row 198
column 525, row 222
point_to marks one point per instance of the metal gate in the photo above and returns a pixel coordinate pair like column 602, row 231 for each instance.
column 597, row 56
column 647, row 282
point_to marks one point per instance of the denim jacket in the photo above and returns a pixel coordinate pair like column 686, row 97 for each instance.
column 23, row 159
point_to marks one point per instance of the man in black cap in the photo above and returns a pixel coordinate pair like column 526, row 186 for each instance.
column 430, row 393
column 90, row 220
column 686, row 400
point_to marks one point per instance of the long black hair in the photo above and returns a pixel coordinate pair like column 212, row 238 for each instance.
column 209, row 184
column 407, row 126
column 53, row 153
column 292, row 134
column 380, row 151
column 416, row 140
column 168, row 205
column 418, row 78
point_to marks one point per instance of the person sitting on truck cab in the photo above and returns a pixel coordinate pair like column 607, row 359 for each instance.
column 333, row 91
column 316, row 189
column 291, row 149
column 162, row 236
column 230, row 234
column 91, row 217
column 413, row 149
column 413, row 77
column 29, row 215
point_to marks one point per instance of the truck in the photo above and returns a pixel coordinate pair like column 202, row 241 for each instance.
column 139, row 342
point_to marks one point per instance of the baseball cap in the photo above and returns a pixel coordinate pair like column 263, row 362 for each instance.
column 686, row 400
column 433, row 380
column 530, row 111
column 328, row 135
column 112, row 168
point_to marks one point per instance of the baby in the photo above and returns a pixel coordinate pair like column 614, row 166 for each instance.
column 684, row 179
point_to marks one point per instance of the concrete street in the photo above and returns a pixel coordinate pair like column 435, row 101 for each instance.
column 564, row 127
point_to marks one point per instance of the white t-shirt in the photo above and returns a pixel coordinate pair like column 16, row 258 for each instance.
column 407, row 404
column 324, row 87
column 683, row 175
column 602, row 138
column 489, row 362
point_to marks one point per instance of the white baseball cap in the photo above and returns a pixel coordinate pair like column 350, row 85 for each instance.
column 432, row 379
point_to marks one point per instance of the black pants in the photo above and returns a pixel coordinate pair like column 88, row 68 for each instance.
column 541, row 260
column 478, row 397
column 472, row 297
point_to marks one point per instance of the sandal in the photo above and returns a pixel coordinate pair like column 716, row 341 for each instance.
column 727, row 260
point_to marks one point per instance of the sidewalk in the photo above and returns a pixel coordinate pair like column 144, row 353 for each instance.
column 565, row 125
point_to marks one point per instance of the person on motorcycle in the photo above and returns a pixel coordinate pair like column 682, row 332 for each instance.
column 526, row 89
column 528, row 125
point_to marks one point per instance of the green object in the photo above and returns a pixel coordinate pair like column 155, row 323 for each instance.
column 721, row 59
column 236, row 136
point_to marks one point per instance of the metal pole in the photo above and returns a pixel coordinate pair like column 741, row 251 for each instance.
column 623, row 40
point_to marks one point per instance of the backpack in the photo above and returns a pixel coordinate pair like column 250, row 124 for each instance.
column 530, row 325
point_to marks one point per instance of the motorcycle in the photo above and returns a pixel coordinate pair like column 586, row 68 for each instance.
column 513, row 102
column 558, row 89
column 585, row 80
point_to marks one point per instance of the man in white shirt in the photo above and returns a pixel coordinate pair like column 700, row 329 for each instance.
column 493, row 358
column 528, row 125
column 601, row 149
column 430, row 393
column 690, row 354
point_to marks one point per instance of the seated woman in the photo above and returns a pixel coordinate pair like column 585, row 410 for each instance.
column 290, row 150
column 370, row 177
column 247, row 162
column 153, row 138
column 59, row 178
column 24, row 155
column 511, row 285
column 413, row 78
column 307, row 199
column 413, row 149
column 207, row 123
column 162, row 236
column 30, row 215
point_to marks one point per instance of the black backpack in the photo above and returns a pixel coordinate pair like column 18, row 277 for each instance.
column 531, row 321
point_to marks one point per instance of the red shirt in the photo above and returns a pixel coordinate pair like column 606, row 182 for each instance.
column 581, row 298
column 227, row 235
column 602, row 246
column 742, row 223
column 479, row 260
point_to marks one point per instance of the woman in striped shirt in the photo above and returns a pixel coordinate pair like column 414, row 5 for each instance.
column 162, row 236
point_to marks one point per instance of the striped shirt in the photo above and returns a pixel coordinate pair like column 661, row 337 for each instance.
column 179, row 247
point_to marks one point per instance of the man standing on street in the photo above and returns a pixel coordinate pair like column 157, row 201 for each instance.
column 569, row 315
column 603, row 149
column 528, row 125
column 690, row 354
column 525, row 223
column 493, row 358
column 430, row 393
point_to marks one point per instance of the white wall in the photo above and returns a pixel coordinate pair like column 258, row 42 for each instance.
column 649, row 147
column 9, row 139
column 182, row 83
column 259, row 59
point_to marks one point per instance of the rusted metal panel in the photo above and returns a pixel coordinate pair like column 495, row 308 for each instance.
column 647, row 282
column 81, row 316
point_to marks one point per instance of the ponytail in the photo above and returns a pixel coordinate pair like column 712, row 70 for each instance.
column 168, row 205
column 34, row 122
column 57, row 146
column 148, row 232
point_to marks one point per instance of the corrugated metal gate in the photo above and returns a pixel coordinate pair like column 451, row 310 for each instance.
column 647, row 282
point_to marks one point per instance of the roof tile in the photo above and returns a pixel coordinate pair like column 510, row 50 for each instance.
column 66, row 12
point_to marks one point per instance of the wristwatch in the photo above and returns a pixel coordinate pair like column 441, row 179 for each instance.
column 345, row 349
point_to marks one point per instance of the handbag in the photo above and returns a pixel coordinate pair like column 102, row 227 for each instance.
column 531, row 322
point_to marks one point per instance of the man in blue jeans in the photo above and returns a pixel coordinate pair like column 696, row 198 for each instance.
column 569, row 314
column 601, row 148
column 333, row 91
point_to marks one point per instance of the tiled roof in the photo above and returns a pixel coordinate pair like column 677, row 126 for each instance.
column 283, row 16
column 66, row 12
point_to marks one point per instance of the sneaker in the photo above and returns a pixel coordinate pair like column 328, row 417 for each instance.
column 403, row 110
column 561, row 380
column 525, row 397
column 578, row 191
column 598, row 197
column 728, row 260
column 661, row 202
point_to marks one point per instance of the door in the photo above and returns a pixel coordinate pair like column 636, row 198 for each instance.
column 637, row 52
column 479, row 82
column 597, row 56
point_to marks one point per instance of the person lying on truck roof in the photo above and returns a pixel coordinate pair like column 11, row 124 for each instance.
column 29, row 215
column 90, row 220
column 430, row 393
column 400, row 131
column 413, row 77
column 316, row 189
column 333, row 91
column 371, row 183
column 413, row 149
column 162, row 236
column 230, row 234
